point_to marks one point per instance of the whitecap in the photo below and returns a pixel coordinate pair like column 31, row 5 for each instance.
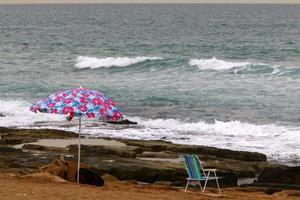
column 93, row 62
column 216, row 64
column 16, row 113
column 278, row 142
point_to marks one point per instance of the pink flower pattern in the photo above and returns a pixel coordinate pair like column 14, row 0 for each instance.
column 79, row 102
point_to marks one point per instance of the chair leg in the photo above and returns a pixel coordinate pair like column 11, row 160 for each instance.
column 207, row 177
column 200, row 185
column 217, row 182
column 187, row 184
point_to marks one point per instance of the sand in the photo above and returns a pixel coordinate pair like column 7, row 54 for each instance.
column 63, row 143
column 14, row 188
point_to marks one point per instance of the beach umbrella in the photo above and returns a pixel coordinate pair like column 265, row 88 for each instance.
column 80, row 103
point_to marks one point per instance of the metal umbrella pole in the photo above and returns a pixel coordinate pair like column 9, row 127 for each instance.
column 79, row 144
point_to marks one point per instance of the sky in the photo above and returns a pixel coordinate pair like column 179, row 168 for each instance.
column 148, row 1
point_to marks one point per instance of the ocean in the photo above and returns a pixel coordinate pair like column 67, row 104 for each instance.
column 226, row 76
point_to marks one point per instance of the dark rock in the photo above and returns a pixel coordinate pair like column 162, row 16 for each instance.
column 148, row 154
column 149, row 145
column 15, row 141
column 167, row 183
column 148, row 170
column 280, row 175
column 238, row 168
column 177, row 183
column 267, row 190
column 228, row 180
column 203, row 151
column 222, row 153
column 136, row 169
column 161, row 161
column 19, row 161
column 19, row 136
column 93, row 150
column 42, row 148
column 87, row 176
column 126, row 122
column 276, row 186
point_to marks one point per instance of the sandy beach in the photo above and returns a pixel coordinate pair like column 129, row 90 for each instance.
column 12, row 188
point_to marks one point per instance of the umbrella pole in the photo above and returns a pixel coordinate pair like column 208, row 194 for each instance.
column 79, row 144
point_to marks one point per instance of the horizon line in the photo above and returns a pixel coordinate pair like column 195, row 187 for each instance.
column 141, row 3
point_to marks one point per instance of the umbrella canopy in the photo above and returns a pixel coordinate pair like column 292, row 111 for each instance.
column 81, row 103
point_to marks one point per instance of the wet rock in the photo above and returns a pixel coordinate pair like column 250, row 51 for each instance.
column 137, row 169
column 93, row 150
column 275, row 186
column 19, row 136
column 238, row 168
column 87, row 176
column 42, row 148
column 149, row 145
column 148, row 170
column 19, row 161
column 280, row 174
column 203, row 151
column 148, row 154
column 160, row 163
column 15, row 141
column 221, row 153
column 250, row 189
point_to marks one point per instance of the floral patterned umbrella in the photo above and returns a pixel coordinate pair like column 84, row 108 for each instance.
column 79, row 102
column 82, row 103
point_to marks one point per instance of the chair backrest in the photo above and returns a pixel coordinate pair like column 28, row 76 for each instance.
column 193, row 166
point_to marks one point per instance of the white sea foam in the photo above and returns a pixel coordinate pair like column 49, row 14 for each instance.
column 16, row 113
column 280, row 143
column 93, row 62
column 216, row 64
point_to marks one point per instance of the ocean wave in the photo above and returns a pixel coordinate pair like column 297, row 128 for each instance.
column 278, row 142
column 216, row 64
column 93, row 62
column 230, row 128
column 15, row 113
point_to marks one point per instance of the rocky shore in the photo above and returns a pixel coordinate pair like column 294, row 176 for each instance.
column 23, row 151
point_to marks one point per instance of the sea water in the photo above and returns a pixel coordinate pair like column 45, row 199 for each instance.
column 219, row 75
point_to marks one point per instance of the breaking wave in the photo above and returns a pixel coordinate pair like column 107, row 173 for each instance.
column 93, row 62
column 216, row 64
column 280, row 143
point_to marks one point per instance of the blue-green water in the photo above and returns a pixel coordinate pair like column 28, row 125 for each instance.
column 219, row 75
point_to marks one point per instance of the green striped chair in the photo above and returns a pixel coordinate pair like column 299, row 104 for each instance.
column 197, row 173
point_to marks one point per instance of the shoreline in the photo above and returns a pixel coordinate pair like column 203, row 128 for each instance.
column 151, row 162
column 286, row 162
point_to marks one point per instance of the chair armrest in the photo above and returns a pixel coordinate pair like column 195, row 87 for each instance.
column 206, row 170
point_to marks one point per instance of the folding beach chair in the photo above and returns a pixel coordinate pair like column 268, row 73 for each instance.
column 197, row 173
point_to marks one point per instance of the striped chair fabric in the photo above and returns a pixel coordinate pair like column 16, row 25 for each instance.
column 197, row 173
